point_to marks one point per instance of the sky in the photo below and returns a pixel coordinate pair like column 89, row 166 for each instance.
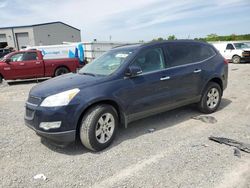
column 133, row 20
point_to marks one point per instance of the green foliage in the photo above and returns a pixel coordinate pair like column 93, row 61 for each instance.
column 233, row 37
column 172, row 37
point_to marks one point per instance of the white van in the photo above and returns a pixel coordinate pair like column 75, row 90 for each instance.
column 235, row 52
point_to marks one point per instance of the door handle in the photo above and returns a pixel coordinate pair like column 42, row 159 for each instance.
column 38, row 63
column 165, row 78
column 197, row 70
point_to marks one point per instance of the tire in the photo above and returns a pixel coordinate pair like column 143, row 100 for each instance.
column 97, row 132
column 236, row 59
column 211, row 98
column 61, row 70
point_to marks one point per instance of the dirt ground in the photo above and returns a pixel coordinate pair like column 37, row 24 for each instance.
column 176, row 154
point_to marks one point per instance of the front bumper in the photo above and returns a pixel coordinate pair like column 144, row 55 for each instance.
column 66, row 133
column 60, row 137
column 245, row 59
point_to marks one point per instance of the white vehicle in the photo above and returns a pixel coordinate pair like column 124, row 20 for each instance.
column 235, row 52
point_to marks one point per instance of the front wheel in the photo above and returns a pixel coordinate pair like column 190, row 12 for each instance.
column 98, row 127
column 211, row 98
column 236, row 59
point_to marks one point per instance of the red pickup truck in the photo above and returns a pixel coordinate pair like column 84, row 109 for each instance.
column 30, row 64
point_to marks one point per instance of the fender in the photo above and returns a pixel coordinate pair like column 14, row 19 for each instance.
column 123, row 118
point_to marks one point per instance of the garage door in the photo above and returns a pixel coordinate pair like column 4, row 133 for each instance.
column 22, row 40
column 3, row 41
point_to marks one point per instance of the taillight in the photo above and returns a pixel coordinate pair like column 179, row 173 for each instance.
column 226, row 61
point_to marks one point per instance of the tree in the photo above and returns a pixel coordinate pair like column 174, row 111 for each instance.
column 172, row 37
column 158, row 39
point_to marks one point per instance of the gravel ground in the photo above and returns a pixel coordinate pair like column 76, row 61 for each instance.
column 177, row 154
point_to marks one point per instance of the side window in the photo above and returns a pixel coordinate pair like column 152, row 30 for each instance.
column 17, row 57
column 150, row 60
column 230, row 47
column 29, row 56
column 182, row 54
column 179, row 54
column 206, row 52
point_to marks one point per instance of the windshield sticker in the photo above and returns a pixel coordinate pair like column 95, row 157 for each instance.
column 121, row 55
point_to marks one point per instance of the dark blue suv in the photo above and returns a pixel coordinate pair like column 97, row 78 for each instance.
column 126, row 84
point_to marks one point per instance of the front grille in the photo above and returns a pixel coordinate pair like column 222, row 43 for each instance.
column 246, row 53
column 29, row 113
column 34, row 100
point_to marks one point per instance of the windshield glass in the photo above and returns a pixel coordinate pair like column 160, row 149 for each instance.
column 108, row 63
column 240, row 45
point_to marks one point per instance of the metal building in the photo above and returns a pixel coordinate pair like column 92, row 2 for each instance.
column 39, row 34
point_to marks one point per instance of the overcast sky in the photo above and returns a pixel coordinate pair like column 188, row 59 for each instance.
column 133, row 20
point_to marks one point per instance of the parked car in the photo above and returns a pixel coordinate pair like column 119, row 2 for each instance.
column 235, row 52
column 123, row 85
column 4, row 52
column 30, row 64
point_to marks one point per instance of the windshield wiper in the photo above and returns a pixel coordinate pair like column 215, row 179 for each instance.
column 87, row 73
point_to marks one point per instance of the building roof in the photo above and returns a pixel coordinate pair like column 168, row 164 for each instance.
column 34, row 25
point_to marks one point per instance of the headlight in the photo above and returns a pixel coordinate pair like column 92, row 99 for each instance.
column 60, row 99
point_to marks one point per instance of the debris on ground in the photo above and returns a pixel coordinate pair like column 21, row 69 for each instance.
column 230, row 142
column 237, row 152
column 205, row 145
column 234, row 69
column 40, row 176
column 151, row 130
column 206, row 119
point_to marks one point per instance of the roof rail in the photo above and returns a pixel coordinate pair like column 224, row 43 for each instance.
column 127, row 44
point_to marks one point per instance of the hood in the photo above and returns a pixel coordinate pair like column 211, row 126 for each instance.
column 63, row 83
column 246, row 49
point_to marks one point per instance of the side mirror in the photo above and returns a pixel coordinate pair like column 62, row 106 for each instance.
column 7, row 61
column 133, row 71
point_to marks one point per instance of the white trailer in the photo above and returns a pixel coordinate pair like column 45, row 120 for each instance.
column 85, row 51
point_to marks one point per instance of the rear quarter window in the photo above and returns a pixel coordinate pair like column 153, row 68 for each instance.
column 182, row 54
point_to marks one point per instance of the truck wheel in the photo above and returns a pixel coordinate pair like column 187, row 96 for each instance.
column 61, row 70
column 211, row 98
column 98, row 127
column 236, row 59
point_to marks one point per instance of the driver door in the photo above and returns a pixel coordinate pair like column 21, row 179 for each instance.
column 228, row 53
column 143, row 93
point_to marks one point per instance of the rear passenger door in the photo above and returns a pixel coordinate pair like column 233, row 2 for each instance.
column 184, row 72
column 32, row 64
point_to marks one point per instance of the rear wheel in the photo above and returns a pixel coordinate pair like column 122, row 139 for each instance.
column 61, row 70
column 236, row 59
column 211, row 98
column 98, row 127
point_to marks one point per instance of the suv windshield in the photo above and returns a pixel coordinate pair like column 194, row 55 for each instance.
column 240, row 45
column 107, row 63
